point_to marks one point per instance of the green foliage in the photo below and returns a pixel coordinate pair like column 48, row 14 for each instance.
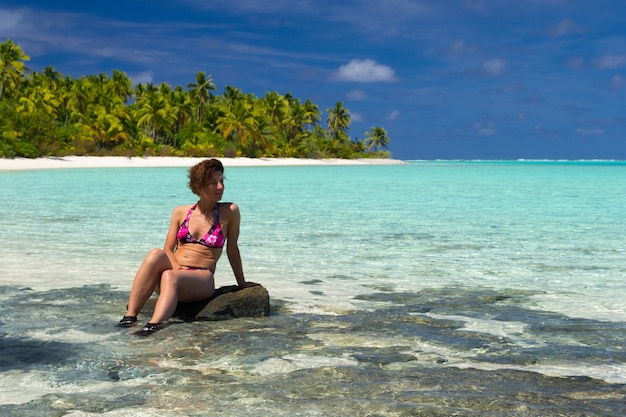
column 49, row 114
column 26, row 150
column 377, row 138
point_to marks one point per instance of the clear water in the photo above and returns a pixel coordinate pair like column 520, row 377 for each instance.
column 429, row 288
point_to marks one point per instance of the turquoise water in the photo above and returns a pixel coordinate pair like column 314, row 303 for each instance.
column 428, row 288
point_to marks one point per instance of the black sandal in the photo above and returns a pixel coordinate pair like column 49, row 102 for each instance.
column 127, row 321
column 148, row 329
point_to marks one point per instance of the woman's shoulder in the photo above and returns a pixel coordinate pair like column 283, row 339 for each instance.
column 185, row 206
column 228, row 205
column 228, row 208
column 183, row 209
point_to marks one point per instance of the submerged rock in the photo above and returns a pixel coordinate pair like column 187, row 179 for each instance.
column 227, row 303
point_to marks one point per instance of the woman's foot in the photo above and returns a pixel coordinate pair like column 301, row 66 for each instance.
column 127, row 321
column 148, row 329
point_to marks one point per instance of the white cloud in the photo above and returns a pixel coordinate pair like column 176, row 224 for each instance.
column 9, row 20
column 489, row 68
column 617, row 82
column 565, row 27
column 575, row 63
column 487, row 129
column 588, row 132
column 494, row 67
column 145, row 77
column 365, row 71
column 458, row 47
column 356, row 95
column 610, row 62
column 356, row 117
column 393, row 115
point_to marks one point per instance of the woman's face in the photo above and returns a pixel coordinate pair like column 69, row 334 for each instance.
column 214, row 188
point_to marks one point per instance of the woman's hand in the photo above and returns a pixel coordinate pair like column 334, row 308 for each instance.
column 249, row 284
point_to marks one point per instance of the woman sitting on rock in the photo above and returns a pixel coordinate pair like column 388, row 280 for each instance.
column 183, row 270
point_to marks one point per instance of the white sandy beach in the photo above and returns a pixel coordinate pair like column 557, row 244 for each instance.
column 125, row 162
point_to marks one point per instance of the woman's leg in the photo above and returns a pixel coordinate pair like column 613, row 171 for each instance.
column 181, row 285
column 147, row 280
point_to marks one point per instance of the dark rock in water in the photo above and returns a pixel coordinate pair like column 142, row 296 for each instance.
column 227, row 303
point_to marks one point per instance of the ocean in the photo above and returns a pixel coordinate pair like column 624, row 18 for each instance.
column 430, row 288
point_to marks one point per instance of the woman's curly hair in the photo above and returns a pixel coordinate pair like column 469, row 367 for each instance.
column 201, row 173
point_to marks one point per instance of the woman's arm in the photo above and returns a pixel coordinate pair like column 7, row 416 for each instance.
column 232, row 246
column 171, row 241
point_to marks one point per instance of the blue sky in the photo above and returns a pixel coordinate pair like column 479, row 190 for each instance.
column 447, row 79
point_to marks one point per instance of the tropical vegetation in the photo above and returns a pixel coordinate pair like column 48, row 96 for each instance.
column 49, row 114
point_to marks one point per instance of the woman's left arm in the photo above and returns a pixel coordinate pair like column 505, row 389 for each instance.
column 232, row 246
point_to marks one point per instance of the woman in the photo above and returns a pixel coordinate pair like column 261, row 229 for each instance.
column 183, row 270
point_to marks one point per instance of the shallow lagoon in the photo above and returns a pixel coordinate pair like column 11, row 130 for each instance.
column 421, row 289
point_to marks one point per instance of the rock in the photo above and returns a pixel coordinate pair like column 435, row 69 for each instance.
column 227, row 303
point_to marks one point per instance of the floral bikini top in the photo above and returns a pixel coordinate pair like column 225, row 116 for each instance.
column 214, row 238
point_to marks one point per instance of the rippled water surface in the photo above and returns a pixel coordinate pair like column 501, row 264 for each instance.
column 425, row 289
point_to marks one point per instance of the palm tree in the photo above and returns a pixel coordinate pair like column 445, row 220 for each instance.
column 295, row 122
column 120, row 85
column 180, row 107
column 37, row 93
column 377, row 138
column 232, row 94
column 237, row 120
column 276, row 108
column 264, row 132
column 106, row 128
column 200, row 91
column 96, row 109
column 66, row 107
column 338, row 121
column 83, row 91
column 139, row 90
column 11, row 66
column 51, row 78
column 312, row 114
column 153, row 114
column 39, row 99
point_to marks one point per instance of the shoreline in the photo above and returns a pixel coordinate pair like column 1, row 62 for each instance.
column 23, row 164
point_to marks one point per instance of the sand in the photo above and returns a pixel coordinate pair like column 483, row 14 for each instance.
column 125, row 162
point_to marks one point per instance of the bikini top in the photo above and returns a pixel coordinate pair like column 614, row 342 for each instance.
column 214, row 238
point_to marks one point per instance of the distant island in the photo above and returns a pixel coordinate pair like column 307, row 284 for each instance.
column 48, row 114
